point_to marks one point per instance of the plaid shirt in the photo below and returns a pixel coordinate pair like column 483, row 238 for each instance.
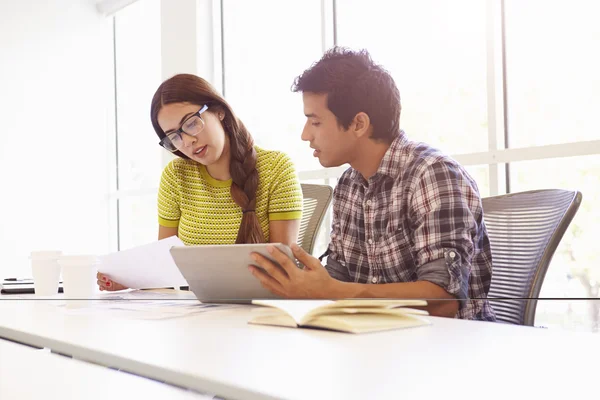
column 418, row 218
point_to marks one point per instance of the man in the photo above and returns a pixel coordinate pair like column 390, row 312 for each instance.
column 407, row 219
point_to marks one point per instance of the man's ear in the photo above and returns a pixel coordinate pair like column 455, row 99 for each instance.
column 361, row 125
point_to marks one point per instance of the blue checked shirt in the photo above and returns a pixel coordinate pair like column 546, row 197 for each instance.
column 419, row 218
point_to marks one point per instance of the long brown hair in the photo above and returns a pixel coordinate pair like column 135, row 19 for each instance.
column 187, row 88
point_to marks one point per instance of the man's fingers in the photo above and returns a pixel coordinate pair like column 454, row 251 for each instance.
column 276, row 271
column 288, row 265
column 267, row 281
column 309, row 261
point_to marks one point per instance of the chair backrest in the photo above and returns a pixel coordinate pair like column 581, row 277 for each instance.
column 316, row 201
column 524, row 229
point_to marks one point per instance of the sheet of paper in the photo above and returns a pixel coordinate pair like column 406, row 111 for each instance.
column 137, row 304
column 142, row 311
column 144, row 267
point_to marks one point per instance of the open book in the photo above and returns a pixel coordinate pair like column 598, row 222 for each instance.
column 351, row 316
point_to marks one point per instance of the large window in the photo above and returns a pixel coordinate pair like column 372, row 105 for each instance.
column 444, row 56
column 137, row 220
column 552, row 84
column 476, row 80
column 267, row 43
column 553, row 95
column 436, row 52
column 138, row 74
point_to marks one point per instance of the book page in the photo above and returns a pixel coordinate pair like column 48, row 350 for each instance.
column 279, row 319
column 363, row 323
column 304, row 310
column 297, row 309
column 380, row 303
column 373, row 311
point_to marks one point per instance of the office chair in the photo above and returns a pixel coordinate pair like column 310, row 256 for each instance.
column 316, row 202
column 524, row 229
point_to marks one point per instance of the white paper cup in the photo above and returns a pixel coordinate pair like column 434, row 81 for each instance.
column 45, row 271
column 79, row 276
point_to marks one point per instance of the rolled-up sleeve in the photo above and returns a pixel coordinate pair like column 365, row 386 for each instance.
column 443, row 229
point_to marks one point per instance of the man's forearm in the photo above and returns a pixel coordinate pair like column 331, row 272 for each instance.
column 445, row 306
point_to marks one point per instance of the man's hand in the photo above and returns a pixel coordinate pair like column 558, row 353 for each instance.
column 287, row 280
column 105, row 283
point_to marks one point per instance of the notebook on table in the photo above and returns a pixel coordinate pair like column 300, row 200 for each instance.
column 350, row 316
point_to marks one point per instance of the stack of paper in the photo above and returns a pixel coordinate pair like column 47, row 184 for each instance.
column 145, row 267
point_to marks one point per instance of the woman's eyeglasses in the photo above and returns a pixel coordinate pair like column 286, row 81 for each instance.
column 192, row 126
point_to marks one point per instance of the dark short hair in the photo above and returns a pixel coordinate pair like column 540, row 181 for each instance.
column 354, row 83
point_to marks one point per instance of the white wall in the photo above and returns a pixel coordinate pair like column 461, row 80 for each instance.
column 56, row 116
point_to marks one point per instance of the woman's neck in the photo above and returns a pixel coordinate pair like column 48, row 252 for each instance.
column 220, row 168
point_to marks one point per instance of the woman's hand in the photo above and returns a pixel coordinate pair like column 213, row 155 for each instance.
column 105, row 283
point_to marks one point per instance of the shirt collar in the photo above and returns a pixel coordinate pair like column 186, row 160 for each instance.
column 390, row 163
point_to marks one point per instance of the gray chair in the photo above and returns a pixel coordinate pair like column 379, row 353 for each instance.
column 316, row 202
column 524, row 229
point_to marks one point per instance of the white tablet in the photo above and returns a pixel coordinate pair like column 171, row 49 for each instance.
column 219, row 273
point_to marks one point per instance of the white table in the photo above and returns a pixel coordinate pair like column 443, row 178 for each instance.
column 218, row 352
column 27, row 374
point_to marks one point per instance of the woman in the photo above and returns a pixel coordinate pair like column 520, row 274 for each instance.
column 222, row 189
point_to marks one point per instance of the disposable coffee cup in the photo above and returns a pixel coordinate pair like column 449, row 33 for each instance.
column 79, row 276
column 45, row 271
